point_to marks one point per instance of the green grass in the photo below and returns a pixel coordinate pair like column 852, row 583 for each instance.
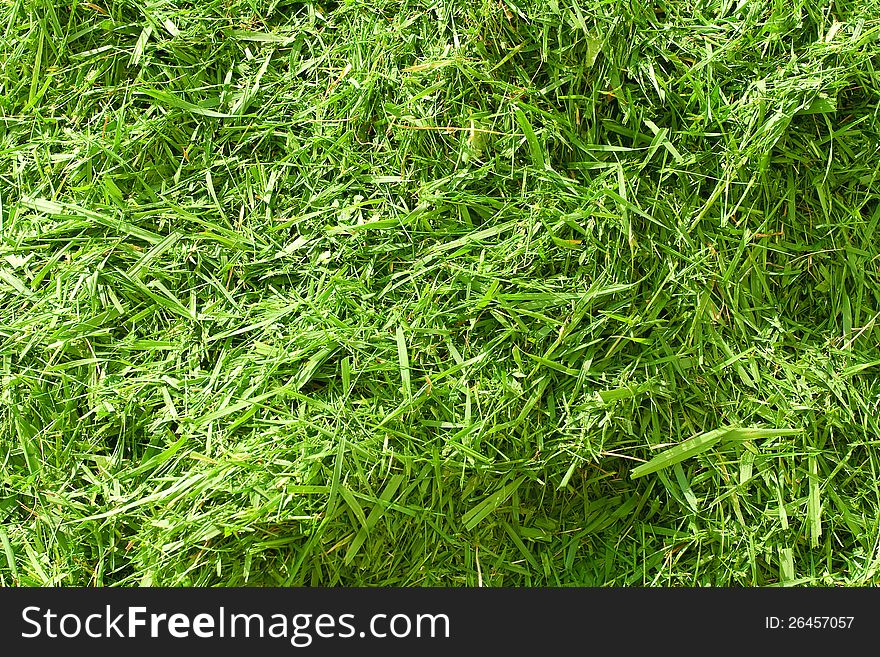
column 440, row 293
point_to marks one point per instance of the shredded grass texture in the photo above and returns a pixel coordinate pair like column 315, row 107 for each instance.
column 436, row 293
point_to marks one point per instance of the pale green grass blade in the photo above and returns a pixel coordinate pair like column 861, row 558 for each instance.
column 703, row 442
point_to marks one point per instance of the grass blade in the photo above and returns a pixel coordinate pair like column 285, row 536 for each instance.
column 701, row 443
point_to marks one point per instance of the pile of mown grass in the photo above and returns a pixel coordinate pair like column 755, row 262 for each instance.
column 428, row 293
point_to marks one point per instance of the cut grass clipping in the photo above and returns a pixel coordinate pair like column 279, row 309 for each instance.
column 493, row 293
